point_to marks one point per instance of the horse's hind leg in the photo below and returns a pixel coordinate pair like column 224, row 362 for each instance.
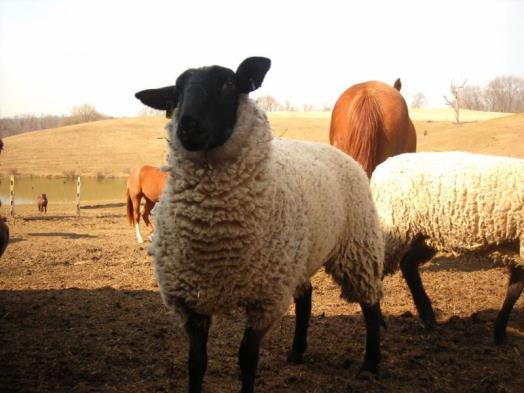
column 136, row 216
column 515, row 287
column 418, row 253
column 302, row 316
column 146, row 213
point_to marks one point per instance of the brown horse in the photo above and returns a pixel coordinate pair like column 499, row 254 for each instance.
column 145, row 182
column 41, row 201
column 370, row 122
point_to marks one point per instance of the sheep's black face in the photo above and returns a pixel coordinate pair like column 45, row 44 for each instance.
column 207, row 104
column 207, row 101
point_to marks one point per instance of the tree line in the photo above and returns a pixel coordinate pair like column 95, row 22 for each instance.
column 502, row 94
column 29, row 122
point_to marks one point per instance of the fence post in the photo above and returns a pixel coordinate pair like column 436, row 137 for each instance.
column 12, row 195
column 78, row 184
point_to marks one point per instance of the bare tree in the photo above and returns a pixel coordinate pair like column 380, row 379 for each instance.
column 289, row 107
column 473, row 98
column 308, row 107
column 82, row 114
column 455, row 102
column 418, row 101
column 269, row 103
column 505, row 94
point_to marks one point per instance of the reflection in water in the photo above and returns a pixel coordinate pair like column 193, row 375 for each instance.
column 62, row 189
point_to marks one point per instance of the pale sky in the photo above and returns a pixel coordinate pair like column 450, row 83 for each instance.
column 55, row 54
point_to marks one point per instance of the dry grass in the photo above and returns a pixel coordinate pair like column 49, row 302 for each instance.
column 109, row 148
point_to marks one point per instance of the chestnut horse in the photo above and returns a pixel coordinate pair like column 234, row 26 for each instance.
column 41, row 201
column 370, row 122
column 145, row 182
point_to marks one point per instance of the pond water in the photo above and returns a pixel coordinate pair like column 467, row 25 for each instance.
column 62, row 189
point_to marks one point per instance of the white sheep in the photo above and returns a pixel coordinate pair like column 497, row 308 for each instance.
column 453, row 202
column 246, row 220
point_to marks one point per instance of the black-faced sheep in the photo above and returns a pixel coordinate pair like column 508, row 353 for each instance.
column 246, row 220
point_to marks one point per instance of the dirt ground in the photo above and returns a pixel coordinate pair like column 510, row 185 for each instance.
column 80, row 312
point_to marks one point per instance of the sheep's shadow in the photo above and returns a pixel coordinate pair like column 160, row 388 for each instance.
column 463, row 263
column 65, row 235
column 78, row 339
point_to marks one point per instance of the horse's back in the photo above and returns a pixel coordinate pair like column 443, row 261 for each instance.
column 152, row 181
column 370, row 121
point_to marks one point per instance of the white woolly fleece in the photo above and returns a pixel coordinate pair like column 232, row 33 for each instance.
column 461, row 202
column 249, row 222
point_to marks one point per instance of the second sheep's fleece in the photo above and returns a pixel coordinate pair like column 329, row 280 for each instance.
column 249, row 221
column 453, row 202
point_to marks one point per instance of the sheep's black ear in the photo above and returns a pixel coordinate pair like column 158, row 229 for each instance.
column 398, row 84
column 251, row 73
column 163, row 99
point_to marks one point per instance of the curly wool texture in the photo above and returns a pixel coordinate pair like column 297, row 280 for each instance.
column 249, row 222
column 460, row 202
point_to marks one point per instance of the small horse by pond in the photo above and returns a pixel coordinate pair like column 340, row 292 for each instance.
column 41, row 201
column 145, row 182
column 370, row 122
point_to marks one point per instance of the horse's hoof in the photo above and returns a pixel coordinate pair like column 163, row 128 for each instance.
column 295, row 357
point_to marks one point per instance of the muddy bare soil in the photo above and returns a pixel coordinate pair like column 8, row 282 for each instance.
column 80, row 312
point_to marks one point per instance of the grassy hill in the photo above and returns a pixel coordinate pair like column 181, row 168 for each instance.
column 111, row 147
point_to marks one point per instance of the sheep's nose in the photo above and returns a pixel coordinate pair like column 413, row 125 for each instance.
column 188, row 123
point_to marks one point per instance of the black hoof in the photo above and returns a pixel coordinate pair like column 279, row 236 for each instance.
column 295, row 357
column 500, row 338
column 429, row 324
column 368, row 370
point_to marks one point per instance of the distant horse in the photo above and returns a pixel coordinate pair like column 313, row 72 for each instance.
column 146, row 182
column 370, row 122
column 4, row 235
column 41, row 201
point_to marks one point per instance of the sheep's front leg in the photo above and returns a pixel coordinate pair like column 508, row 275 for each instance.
column 417, row 254
column 197, row 328
column 515, row 287
column 302, row 316
column 248, row 357
column 373, row 318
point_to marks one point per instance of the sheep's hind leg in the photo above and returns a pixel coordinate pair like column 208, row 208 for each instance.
column 248, row 357
column 302, row 316
column 197, row 328
column 515, row 287
column 417, row 254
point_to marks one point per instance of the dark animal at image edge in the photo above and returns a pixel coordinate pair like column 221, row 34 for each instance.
column 206, row 100
column 145, row 182
column 4, row 229
column 370, row 122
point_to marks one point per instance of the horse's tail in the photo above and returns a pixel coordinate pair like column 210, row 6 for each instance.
column 129, row 208
column 365, row 124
